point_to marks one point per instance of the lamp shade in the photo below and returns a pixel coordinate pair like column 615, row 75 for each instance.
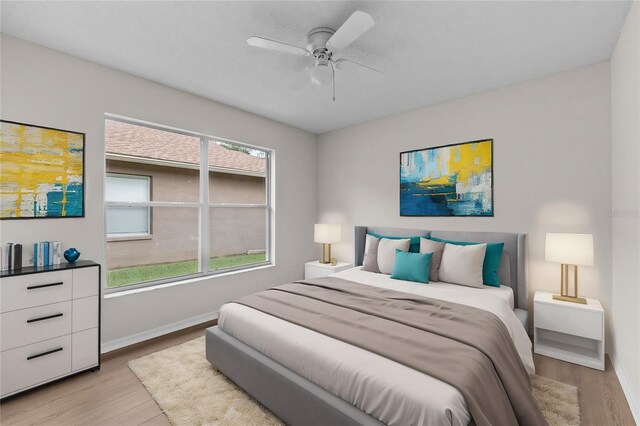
column 327, row 233
column 571, row 249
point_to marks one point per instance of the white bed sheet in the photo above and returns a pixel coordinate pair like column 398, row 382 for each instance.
column 381, row 280
column 389, row 391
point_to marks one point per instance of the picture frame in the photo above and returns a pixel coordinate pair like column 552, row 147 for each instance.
column 454, row 180
column 43, row 172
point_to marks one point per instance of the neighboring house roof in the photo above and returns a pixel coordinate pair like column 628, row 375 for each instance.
column 139, row 141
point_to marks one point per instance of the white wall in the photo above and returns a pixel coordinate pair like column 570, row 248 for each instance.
column 552, row 168
column 625, row 123
column 48, row 88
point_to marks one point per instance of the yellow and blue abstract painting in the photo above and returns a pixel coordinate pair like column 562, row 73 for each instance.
column 451, row 180
column 41, row 172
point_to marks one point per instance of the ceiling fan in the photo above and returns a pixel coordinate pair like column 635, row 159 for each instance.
column 322, row 44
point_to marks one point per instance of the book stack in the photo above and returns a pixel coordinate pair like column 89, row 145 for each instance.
column 47, row 253
column 11, row 256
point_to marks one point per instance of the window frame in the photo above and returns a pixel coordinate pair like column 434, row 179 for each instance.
column 130, row 236
column 203, row 205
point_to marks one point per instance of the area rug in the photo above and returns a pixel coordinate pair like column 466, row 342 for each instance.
column 191, row 392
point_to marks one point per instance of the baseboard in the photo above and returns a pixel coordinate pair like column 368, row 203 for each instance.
column 634, row 404
column 156, row 332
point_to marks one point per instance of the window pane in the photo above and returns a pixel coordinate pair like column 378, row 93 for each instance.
column 127, row 188
column 236, row 174
column 171, row 251
column 238, row 237
column 128, row 220
column 172, row 160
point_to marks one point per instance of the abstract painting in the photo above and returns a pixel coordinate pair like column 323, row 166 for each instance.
column 450, row 180
column 41, row 172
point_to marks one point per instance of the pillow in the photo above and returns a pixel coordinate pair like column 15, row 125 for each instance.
column 491, row 260
column 412, row 266
column 428, row 246
column 370, row 261
column 414, row 245
column 387, row 253
column 462, row 264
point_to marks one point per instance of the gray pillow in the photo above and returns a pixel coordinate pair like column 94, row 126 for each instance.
column 370, row 261
column 435, row 247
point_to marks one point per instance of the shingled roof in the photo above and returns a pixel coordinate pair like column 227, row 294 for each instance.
column 139, row 141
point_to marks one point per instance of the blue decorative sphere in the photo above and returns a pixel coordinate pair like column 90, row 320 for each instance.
column 71, row 255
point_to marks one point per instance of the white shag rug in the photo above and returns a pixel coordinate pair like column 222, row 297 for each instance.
column 191, row 392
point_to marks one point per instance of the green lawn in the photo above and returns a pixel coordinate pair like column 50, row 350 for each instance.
column 137, row 274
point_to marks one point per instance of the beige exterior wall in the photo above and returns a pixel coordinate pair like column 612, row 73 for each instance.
column 174, row 231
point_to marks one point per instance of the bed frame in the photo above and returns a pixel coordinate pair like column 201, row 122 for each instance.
column 296, row 400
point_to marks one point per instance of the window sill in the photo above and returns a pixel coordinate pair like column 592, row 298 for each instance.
column 129, row 237
column 120, row 293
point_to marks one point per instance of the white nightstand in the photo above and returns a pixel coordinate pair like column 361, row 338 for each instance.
column 317, row 269
column 569, row 331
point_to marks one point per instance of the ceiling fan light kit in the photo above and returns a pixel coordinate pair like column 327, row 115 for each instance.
column 322, row 43
column 321, row 73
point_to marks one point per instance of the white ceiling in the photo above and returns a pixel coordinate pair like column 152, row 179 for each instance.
column 429, row 51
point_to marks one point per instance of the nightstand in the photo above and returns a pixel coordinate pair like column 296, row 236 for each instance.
column 569, row 331
column 317, row 269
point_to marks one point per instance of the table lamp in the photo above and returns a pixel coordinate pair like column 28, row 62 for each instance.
column 569, row 249
column 326, row 233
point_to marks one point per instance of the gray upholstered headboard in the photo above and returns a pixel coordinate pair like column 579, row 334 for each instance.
column 512, row 267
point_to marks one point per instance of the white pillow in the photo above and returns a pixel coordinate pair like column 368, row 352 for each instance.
column 462, row 264
column 387, row 253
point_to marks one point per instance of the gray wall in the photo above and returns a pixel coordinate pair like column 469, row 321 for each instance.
column 175, row 231
column 74, row 94
column 625, row 109
column 552, row 168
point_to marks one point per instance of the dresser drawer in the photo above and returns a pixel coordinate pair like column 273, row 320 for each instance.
column 31, row 290
column 85, row 282
column 26, row 326
column 571, row 321
column 85, row 313
column 85, row 349
column 37, row 363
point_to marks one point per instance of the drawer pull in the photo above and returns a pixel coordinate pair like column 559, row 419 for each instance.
column 44, row 318
column 33, row 287
column 49, row 352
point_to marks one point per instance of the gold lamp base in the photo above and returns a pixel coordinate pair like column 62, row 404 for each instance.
column 581, row 300
column 564, row 286
column 326, row 260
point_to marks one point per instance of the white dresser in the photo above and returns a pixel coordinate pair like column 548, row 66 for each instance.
column 49, row 324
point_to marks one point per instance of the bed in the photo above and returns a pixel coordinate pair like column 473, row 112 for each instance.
column 306, row 377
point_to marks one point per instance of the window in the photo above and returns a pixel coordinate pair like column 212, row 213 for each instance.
column 180, row 205
column 238, row 208
column 128, row 222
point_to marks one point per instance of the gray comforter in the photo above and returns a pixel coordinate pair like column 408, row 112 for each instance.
column 463, row 346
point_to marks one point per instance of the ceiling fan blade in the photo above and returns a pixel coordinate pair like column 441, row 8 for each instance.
column 358, row 23
column 265, row 43
column 340, row 63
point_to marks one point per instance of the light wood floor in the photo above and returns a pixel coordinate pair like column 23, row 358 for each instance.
column 602, row 401
column 114, row 396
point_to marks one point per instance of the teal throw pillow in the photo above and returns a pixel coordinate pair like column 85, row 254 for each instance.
column 412, row 266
